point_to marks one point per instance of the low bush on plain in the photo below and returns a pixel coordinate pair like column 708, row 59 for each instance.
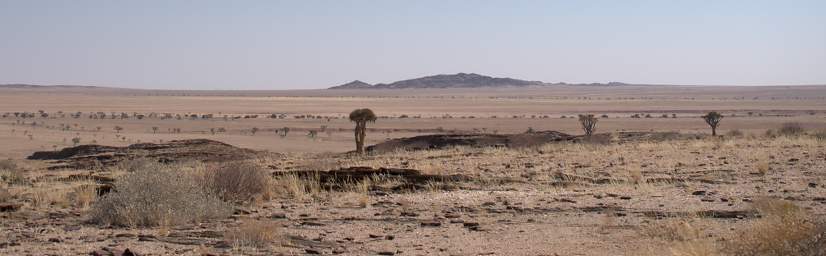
column 239, row 182
column 162, row 196
column 791, row 129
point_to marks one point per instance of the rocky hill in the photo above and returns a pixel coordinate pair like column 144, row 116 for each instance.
column 460, row 80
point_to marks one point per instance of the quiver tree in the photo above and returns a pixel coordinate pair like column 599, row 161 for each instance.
column 713, row 120
column 588, row 123
column 361, row 117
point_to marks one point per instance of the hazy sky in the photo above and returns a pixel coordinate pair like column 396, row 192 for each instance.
column 317, row 44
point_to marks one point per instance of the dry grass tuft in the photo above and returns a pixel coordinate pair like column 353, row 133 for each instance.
column 165, row 196
column 11, row 173
column 702, row 247
column 136, row 164
column 84, row 195
column 254, row 233
column 635, row 175
column 5, row 195
column 292, row 186
column 239, row 182
column 819, row 135
column 784, row 229
column 46, row 197
column 674, row 230
column 7, row 164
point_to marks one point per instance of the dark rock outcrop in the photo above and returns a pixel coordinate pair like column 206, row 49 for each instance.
column 93, row 156
column 439, row 141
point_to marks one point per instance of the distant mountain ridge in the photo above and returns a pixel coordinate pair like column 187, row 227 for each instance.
column 36, row 86
column 460, row 80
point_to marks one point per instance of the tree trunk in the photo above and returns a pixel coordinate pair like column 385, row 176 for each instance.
column 359, row 139
column 713, row 131
column 362, row 135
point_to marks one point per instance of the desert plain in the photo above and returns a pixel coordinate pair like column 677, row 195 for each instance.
column 651, row 181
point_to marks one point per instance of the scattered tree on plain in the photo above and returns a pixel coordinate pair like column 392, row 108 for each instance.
column 588, row 123
column 361, row 117
column 713, row 120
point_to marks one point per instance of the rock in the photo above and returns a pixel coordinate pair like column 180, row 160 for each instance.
column 474, row 226
column 127, row 252
column 71, row 228
column 278, row 216
column 432, row 223
column 409, row 214
column 438, row 141
column 812, row 185
column 241, row 211
column 100, row 253
column 387, row 253
column 55, row 240
column 96, row 156
column 311, row 223
column 625, row 197
column 113, row 252
column 312, row 251
column 699, row 193
column 567, row 200
column 10, row 207
column 9, row 244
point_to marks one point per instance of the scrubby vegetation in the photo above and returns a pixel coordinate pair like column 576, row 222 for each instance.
column 239, row 182
column 588, row 123
column 159, row 195
column 791, row 129
column 713, row 121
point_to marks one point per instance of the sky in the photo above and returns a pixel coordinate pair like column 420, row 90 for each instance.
column 307, row 44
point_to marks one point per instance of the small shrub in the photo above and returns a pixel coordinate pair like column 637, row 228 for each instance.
column 791, row 129
column 158, row 197
column 7, row 165
column 770, row 133
column 5, row 195
column 784, row 229
column 735, row 133
column 253, row 233
column 763, row 167
column 820, row 135
column 11, row 174
column 84, row 195
column 292, row 186
column 239, row 182
column 588, row 123
column 46, row 197
column 136, row 164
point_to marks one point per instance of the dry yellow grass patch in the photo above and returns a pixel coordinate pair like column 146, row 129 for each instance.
column 254, row 234
column 784, row 229
column 84, row 195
